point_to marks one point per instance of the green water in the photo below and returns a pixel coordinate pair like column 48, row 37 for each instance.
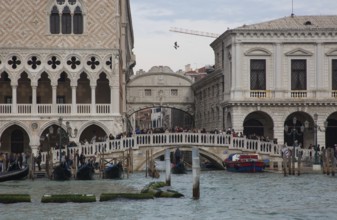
column 223, row 195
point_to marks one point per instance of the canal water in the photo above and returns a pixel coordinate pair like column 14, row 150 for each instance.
column 223, row 195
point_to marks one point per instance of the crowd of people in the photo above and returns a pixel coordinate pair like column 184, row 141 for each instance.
column 8, row 160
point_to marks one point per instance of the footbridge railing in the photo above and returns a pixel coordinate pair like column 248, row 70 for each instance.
column 137, row 141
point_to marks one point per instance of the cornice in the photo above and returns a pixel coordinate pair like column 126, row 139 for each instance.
column 277, row 104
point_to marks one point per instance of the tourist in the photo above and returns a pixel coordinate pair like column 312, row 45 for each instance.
column 82, row 159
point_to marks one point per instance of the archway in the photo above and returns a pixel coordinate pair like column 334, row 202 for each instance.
column 259, row 124
column 15, row 139
column 331, row 130
column 295, row 122
column 93, row 133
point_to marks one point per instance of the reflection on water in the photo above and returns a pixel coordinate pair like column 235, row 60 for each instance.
column 223, row 195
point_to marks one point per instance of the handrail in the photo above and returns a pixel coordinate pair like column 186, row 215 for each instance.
column 174, row 140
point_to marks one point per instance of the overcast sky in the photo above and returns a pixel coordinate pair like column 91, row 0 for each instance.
column 152, row 20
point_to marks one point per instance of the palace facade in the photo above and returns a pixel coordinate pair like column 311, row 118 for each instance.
column 276, row 79
column 66, row 59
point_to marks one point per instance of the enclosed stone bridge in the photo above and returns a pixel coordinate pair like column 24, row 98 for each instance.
column 160, row 86
column 214, row 147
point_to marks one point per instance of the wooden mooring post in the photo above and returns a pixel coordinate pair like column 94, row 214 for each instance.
column 330, row 161
column 196, row 173
column 168, row 166
column 285, row 165
column 300, row 153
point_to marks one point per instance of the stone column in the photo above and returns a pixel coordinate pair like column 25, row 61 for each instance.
column 34, row 110
column 54, row 93
column 73, row 100
column 93, row 99
column 14, row 99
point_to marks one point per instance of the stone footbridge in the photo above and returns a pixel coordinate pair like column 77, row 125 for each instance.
column 214, row 147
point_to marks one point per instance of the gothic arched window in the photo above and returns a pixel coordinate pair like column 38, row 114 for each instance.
column 66, row 21
column 66, row 17
column 54, row 21
column 78, row 21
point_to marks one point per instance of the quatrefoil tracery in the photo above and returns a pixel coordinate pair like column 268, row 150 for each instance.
column 73, row 62
column 54, row 62
column 34, row 62
column 93, row 63
column 14, row 62
column 109, row 62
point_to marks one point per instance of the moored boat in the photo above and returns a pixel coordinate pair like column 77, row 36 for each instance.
column 178, row 168
column 61, row 172
column 14, row 173
column 249, row 163
column 85, row 172
column 113, row 171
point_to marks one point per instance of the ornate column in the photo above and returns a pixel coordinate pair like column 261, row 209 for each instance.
column 73, row 100
column 14, row 99
column 34, row 110
column 93, row 99
column 54, row 93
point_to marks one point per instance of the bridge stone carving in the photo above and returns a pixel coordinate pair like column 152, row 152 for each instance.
column 159, row 87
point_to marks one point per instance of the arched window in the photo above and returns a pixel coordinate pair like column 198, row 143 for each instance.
column 66, row 17
column 54, row 21
column 66, row 21
column 78, row 21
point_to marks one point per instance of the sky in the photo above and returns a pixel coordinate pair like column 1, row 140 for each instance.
column 153, row 19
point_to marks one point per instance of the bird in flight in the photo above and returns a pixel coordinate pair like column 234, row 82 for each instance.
column 176, row 45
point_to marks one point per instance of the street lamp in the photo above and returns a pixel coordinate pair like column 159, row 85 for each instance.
column 317, row 127
column 293, row 132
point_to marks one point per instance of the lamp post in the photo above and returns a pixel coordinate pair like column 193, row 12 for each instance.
column 293, row 132
column 316, row 128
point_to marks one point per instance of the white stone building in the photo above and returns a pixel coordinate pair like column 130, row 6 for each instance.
column 63, row 58
column 268, row 73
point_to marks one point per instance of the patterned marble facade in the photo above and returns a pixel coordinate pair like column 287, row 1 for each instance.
column 78, row 73
column 272, row 72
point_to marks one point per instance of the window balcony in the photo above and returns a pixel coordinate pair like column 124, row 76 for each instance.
column 298, row 94
column 260, row 94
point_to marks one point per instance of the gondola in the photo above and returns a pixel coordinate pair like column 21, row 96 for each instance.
column 85, row 172
column 178, row 168
column 14, row 173
column 113, row 171
column 61, row 172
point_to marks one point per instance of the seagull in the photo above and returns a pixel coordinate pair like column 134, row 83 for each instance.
column 176, row 45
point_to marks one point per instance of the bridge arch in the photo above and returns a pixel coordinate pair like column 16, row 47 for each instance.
column 160, row 86
column 204, row 153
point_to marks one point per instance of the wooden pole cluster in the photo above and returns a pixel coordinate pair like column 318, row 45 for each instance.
column 196, row 173
column 289, row 164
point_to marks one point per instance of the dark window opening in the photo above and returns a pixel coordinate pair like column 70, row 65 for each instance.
column 258, row 74
column 334, row 74
column 54, row 21
column 78, row 21
column 66, row 21
column 298, row 75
